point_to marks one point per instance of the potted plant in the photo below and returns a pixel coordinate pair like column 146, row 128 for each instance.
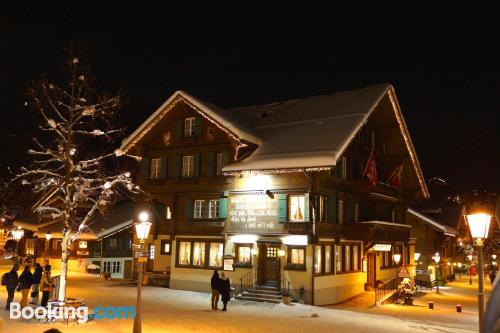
column 407, row 291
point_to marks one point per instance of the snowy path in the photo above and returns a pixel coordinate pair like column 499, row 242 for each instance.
column 166, row 310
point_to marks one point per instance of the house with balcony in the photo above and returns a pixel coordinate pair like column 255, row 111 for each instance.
column 276, row 195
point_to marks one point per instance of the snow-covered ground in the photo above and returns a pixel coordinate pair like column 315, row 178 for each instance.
column 166, row 310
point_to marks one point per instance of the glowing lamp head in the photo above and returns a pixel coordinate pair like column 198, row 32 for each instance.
column 494, row 256
column 281, row 253
column 436, row 258
column 143, row 217
column 17, row 234
column 459, row 265
column 254, row 251
column 479, row 225
column 142, row 227
column 397, row 258
column 469, row 257
column 48, row 236
column 416, row 256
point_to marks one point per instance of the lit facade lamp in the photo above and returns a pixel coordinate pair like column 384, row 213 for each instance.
column 142, row 231
column 254, row 251
column 437, row 259
column 494, row 256
column 48, row 236
column 397, row 258
column 281, row 253
column 470, row 257
column 479, row 225
column 416, row 256
column 17, row 234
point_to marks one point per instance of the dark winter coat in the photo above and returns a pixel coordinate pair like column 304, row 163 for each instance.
column 12, row 279
column 214, row 282
column 37, row 275
column 225, row 289
column 26, row 279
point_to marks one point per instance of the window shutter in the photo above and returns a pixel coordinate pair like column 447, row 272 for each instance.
column 349, row 210
column 163, row 167
column 350, row 168
column 307, row 204
column 177, row 166
column 210, row 163
column 225, row 158
column 178, row 128
column 197, row 126
column 282, row 208
column 160, row 210
column 196, row 166
column 331, row 208
column 223, row 208
column 145, row 168
column 189, row 209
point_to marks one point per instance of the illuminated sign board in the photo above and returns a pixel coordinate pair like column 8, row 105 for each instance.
column 382, row 247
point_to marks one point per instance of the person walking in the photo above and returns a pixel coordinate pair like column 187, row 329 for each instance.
column 225, row 290
column 37, row 277
column 11, row 282
column 46, row 285
column 214, row 283
column 25, row 283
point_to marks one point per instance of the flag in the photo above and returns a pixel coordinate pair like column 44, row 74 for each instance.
column 394, row 178
column 371, row 169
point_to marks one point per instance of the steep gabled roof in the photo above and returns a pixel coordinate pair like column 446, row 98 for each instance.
column 447, row 230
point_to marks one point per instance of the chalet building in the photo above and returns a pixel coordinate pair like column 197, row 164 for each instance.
column 276, row 194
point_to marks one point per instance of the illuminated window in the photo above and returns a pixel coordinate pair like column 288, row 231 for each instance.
column 116, row 267
column 199, row 209
column 30, row 246
column 113, row 243
column 168, row 213
column 318, row 265
column 244, row 253
column 199, row 254
column 297, row 205
column 338, row 258
column 213, row 211
column 216, row 254
column 165, row 246
column 341, row 212
column 344, row 167
column 347, row 258
column 187, row 166
column 220, row 164
column 189, row 124
column 82, row 245
column 355, row 258
column 184, row 253
column 328, row 259
column 151, row 251
column 155, row 171
column 297, row 256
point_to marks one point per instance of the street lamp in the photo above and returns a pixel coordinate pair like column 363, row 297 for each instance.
column 479, row 225
column 142, row 230
column 470, row 268
column 17, row 234
column 436, row 259
column 396, row 257
column 494, row 256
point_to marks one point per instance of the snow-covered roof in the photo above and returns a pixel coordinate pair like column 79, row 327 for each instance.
column 444, row 228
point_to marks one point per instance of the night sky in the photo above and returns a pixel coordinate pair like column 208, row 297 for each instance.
column 444, row 65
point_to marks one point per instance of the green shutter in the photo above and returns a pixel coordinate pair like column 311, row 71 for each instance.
column 307, row 204
column 223, row 208
column 145, row 168
column 210, row 163
column 164, row 162
column 177, row 166
column 178, row 128
column 197, row 126
column 189, row 209
column 196, row 166
column 282, row 208
column 331, row 208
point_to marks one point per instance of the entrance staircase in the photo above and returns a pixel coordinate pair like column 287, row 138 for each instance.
column 267, row 292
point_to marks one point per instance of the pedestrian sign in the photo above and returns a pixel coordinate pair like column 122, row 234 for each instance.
column 403, row 272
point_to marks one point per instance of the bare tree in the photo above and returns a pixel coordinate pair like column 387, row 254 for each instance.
column 73, row 156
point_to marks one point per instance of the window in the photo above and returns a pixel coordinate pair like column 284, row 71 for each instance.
column 341, row 212
column 297, row 204
column 318, row 265
column 213, row 211
column 107, row 266
column 344, row 168
column 220, row 164
column 355, row 257
column 30, row 246
column 113, row 243
column 244, row 253
column 347, row 258
column 323, row 208
column 184, row 253
column 199, row 209
column 55, row 244
column 193, row 253
column 151, row 251
column 372, row 139
column 338, row 258
column 187, row 166
column 155, row 171
column 297, row 256
column 189, row 124
column 199, row 254
column 168, row 213
column 216, row 254
column 116, row 267
column 165, row 246
column 82, row 244
column 328, row 259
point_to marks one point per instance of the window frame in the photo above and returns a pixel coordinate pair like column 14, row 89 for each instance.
column 112, row 240
column 202, row 209
column 189, row 124
column 207, row 242
column 164, row 242
column 152, row 250
column 292, row 266
column 156, row 172
column 219, row 163
column 289, row 204
column 187, row 166
column 237, row 258
column 338, row 251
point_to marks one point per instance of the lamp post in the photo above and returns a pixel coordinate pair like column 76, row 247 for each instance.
column 142, row 231
column 436, row 259
column 470, row 268
column 48, row 237
column 397, row 258
column 479, row 225
column 17, row 234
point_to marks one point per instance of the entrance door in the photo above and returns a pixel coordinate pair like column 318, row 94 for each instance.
column 372, row 269
column 269, row 264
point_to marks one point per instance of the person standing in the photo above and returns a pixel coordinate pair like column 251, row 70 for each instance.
column 45, row 285
column 25, row 283
column 225, row 290
column 214, row 282
column 37, row 276
column 11, row 283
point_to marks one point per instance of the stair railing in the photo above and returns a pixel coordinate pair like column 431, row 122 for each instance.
column 285, row 284
column 246, row 281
